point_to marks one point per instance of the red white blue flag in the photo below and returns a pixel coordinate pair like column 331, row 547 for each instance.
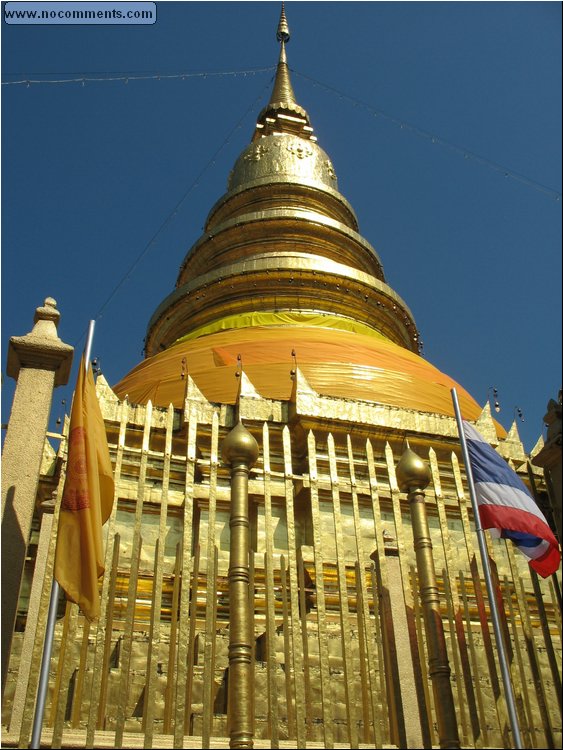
column 507, row 508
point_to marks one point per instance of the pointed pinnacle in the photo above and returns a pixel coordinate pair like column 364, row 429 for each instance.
column 283, row 90
column 270, row 122
column 282, row 33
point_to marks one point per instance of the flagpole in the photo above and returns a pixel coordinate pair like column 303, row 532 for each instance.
column 52, row 615
column 45, row 662
column 503, row 661
column 88, row 346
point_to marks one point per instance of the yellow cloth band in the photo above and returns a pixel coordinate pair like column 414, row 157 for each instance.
column 264, row 319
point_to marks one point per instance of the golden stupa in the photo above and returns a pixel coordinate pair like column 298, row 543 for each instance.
column 282, row 568
column 281, row 268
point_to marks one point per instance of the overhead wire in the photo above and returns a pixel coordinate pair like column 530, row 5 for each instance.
column 84, row 78
column 467, row 154
column 375, row 112
column 126, row 77
column 433, row 138
column 176, row 208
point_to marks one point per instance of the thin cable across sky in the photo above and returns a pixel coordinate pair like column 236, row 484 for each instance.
column 126, row 77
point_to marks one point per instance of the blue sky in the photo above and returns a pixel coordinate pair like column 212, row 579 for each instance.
column 443, row 122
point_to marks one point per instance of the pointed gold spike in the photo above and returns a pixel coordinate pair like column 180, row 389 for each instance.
column 282, row 93
column 301, row 386
column 513, row 435
column 105, row 394
column 282, row 33
column 511, row 447
column 486, row 426
column 283, row 90
column 196, row 406
column 537, row 447
column 282, row 114
column 246, row 388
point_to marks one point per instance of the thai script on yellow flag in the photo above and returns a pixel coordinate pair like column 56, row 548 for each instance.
column 87, row 500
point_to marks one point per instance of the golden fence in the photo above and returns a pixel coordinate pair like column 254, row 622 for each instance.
column 340, row 656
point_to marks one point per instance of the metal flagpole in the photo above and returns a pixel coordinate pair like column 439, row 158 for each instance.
column 88, row 346
column 45, row 662
column 508, row 691
column 52, row 615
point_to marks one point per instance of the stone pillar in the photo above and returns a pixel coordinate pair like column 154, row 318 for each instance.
column 413, row 477
column 38, row 362
column 240, row 450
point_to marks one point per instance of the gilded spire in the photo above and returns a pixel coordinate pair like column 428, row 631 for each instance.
column 282, row 114
column 282, row 33
column 283, row 90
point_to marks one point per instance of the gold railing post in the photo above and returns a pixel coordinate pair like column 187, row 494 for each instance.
column 240, row 450
column 413, row 476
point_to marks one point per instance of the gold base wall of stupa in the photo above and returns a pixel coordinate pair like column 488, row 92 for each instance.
column 340, row 657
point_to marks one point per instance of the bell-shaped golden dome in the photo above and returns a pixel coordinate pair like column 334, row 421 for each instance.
column 282, row 267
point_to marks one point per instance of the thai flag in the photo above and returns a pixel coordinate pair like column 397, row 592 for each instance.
column 507, row 508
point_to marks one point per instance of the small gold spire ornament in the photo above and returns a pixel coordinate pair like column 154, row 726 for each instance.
column 282, row 92
column 282, row 33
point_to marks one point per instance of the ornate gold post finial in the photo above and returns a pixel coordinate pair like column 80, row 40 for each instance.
column 240, row 450
column 413, row 476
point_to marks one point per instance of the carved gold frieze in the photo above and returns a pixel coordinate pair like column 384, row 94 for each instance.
column 301, row 150
column 256, row 153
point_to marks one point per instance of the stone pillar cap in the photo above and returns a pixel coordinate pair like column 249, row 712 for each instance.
column 41, row 349
column 48, row 311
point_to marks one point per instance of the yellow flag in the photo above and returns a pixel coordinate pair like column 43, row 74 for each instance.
column 87, row 500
